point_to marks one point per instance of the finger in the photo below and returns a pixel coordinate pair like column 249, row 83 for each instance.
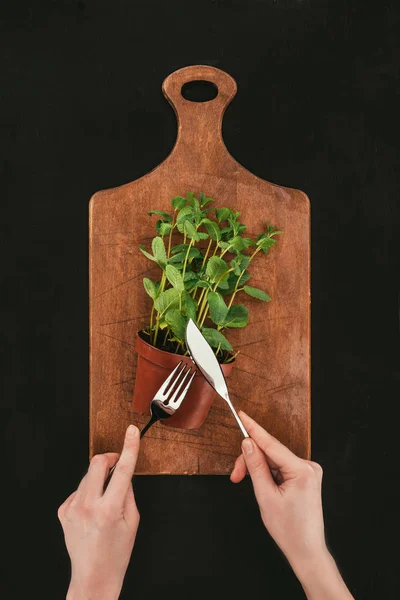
column 64, row 506
column 258, row 468
column 122, row 477
column 278, row 456
column 99, row 468
column 239, row 470
column 317, row 469
column 131, row 513
column 81, row 485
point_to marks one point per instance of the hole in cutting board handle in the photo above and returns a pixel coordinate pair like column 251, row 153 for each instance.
column 199, row 90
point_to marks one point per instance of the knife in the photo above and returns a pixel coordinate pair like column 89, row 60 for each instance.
column 204, row 358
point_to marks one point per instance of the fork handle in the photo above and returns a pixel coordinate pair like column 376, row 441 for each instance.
column 154, row 418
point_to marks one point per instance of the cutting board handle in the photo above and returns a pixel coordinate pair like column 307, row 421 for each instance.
column 172, row 87
column 199, row 123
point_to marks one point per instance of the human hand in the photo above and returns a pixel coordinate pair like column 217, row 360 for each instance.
column 100, row 526
column 288, row 492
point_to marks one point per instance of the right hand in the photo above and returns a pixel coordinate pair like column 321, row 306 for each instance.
column 292, row 510
column 288, row 492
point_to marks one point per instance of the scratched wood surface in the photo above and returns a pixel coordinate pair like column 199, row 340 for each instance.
column 271, row 377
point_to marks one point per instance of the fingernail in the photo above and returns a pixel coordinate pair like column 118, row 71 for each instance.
column 247, row 446
column 131, row 431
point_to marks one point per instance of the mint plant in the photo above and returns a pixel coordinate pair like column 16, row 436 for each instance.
column 202, row 275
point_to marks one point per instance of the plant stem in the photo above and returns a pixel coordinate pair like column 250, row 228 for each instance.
column 203, row 304
column 165, row 338
column 206, row 254
column 170, row 234
column 220, row 279
column 203, row 310
column 162, row 285
column 178, row 346
column 201, row 296
column 204, row 314
column 235, row 291
column 224, row 251
column 151, row 317
column 186, row 258
column 231, row 358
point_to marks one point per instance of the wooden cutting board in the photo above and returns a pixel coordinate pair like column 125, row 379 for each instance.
column 271, row 377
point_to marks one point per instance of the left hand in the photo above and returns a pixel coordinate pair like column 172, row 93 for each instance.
column 100, row 526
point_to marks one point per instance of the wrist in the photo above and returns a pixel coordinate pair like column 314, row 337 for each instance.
column 320, row 577
column 305, row 567
column 85, row 591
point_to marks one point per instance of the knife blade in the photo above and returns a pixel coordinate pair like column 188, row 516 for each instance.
column 204, row 358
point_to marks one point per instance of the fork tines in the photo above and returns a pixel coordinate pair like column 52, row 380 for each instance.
column 174, row 383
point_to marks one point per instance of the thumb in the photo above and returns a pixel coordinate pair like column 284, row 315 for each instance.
column 258, row 468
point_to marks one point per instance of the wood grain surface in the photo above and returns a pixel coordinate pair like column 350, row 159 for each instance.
column 271, row 377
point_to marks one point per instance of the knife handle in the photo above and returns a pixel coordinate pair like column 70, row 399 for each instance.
column 239, row 422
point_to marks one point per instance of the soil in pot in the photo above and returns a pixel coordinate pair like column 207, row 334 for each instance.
column 153, row 367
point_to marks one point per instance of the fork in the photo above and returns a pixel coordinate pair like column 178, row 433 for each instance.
column 165, row 404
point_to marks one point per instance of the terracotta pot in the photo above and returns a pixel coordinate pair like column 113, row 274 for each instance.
column 153, row 367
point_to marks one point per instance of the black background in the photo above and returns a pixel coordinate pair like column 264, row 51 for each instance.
column 82, row 110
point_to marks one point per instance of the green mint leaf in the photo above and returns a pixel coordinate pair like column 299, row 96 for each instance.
column 161, row 213
column 159, row 253
column 202, row 235
column 179, row 248
column 190, row 231
column 272, row 231
column 218, row 308
column 239, row 263
column 222, row 214
column 178, row 202
column 177, row 322
column 180, row 257
column 215, row 338
column 212, row 229
column 224, row 282
column 147, row 254
column 189, row 306
column 150, row 288
column 216, row 267
column 244, row 278
column 163, row 228
column 194, row 203
column 237, row 316
column 226, row 230
column 190, row 275
column 265, row 243
column 185, row 214
column 203, row 284
column 175, row 278
column 237, row 244
column 232, row 280
column 256, row 293
column 204, row 201
column 167, row 300
column 236, row 267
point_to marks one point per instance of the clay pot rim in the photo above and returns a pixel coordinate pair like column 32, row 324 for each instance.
column 151, row 353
